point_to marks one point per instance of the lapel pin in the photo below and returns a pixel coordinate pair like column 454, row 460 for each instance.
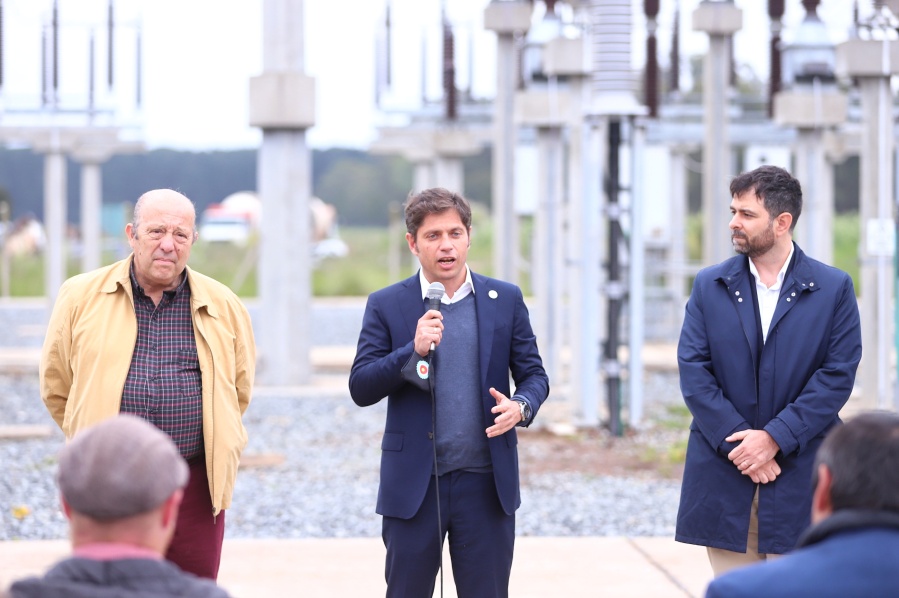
column 492, row 294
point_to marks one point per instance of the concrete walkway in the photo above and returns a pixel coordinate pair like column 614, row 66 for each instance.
column 568, row 567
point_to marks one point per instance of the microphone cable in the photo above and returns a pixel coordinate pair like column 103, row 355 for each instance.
column 432, row 384
column 434, row 294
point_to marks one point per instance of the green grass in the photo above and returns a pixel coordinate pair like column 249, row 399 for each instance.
column 846, row 236
column 366, row 267
column 677, row 417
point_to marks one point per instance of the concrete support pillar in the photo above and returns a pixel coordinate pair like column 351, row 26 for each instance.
column 91, row 150
column 813, row 110
column 873, row 63
column 507, row 19
column 878, row 239
column 720, row 20
column 637, row 277
column 282, row 104
column 577, row 257
column 676, row 280
column 55, row 217
column 548, row 248
column 284, row 167
column 591, row 303
column 423, row 175
column 814, row 231
column 91, row 216
column 505, row 220
column 448, row 173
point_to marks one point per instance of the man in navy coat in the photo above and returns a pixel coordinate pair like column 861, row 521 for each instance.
column 449, row 449
column 767, row 355
column 851, row 548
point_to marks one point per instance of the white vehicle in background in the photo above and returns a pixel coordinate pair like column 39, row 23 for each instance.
column 237, row 218
column 224, row 228
column 330, row 247
column 232, row 221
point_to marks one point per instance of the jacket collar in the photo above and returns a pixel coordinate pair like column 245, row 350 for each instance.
column 848, row 520
column 120, row 278
column 799, row 273
column 735, row 276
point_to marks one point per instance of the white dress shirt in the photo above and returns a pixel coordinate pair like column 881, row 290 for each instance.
column 768, row 295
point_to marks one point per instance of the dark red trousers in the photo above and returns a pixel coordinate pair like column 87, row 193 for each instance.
column 197, row 544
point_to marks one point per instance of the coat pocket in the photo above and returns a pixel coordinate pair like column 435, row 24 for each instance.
column 392, row 441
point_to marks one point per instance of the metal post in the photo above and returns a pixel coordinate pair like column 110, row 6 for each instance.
column 614, row 285
column 636, row 277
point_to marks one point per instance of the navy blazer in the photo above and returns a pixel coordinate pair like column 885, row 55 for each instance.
column 793, row 386
column 506, row 343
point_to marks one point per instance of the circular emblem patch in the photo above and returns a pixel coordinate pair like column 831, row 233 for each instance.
column 422, row 367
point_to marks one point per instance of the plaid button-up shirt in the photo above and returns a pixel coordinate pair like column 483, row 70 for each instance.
column 164, row 384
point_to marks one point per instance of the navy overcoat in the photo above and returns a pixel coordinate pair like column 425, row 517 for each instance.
column 506, row 344
column 805, row 374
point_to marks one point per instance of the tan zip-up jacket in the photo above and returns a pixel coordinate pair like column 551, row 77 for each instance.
column 87, row 354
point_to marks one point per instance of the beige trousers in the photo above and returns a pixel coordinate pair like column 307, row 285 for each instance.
column 723, row 561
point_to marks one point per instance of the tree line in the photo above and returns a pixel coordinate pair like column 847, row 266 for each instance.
column 360, row 185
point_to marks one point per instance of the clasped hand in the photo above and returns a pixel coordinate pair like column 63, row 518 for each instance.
column 754, row 457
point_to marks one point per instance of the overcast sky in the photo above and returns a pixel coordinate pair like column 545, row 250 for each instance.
column 198, row 55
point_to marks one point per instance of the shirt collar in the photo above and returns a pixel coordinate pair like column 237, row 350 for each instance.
column 780, row 275
column 466, row 288
column 139, row 289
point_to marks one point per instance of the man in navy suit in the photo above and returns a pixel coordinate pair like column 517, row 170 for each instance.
column 851, row 547
column 449, row 448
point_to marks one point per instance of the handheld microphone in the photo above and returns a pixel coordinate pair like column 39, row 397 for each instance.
column 435, row 294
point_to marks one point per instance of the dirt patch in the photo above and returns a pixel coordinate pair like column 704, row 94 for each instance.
column 653, row 453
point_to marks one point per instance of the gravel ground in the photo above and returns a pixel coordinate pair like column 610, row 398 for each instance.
column 316, row 475
column 312, row 462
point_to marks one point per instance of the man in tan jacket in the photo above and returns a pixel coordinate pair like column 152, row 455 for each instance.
column 150, row 337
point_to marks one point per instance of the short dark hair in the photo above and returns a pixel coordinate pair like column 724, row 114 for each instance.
column 434, row 201
column 779, row 191
column 863, row 458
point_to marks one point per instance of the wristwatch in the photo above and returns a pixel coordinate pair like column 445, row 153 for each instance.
column 525, row 410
